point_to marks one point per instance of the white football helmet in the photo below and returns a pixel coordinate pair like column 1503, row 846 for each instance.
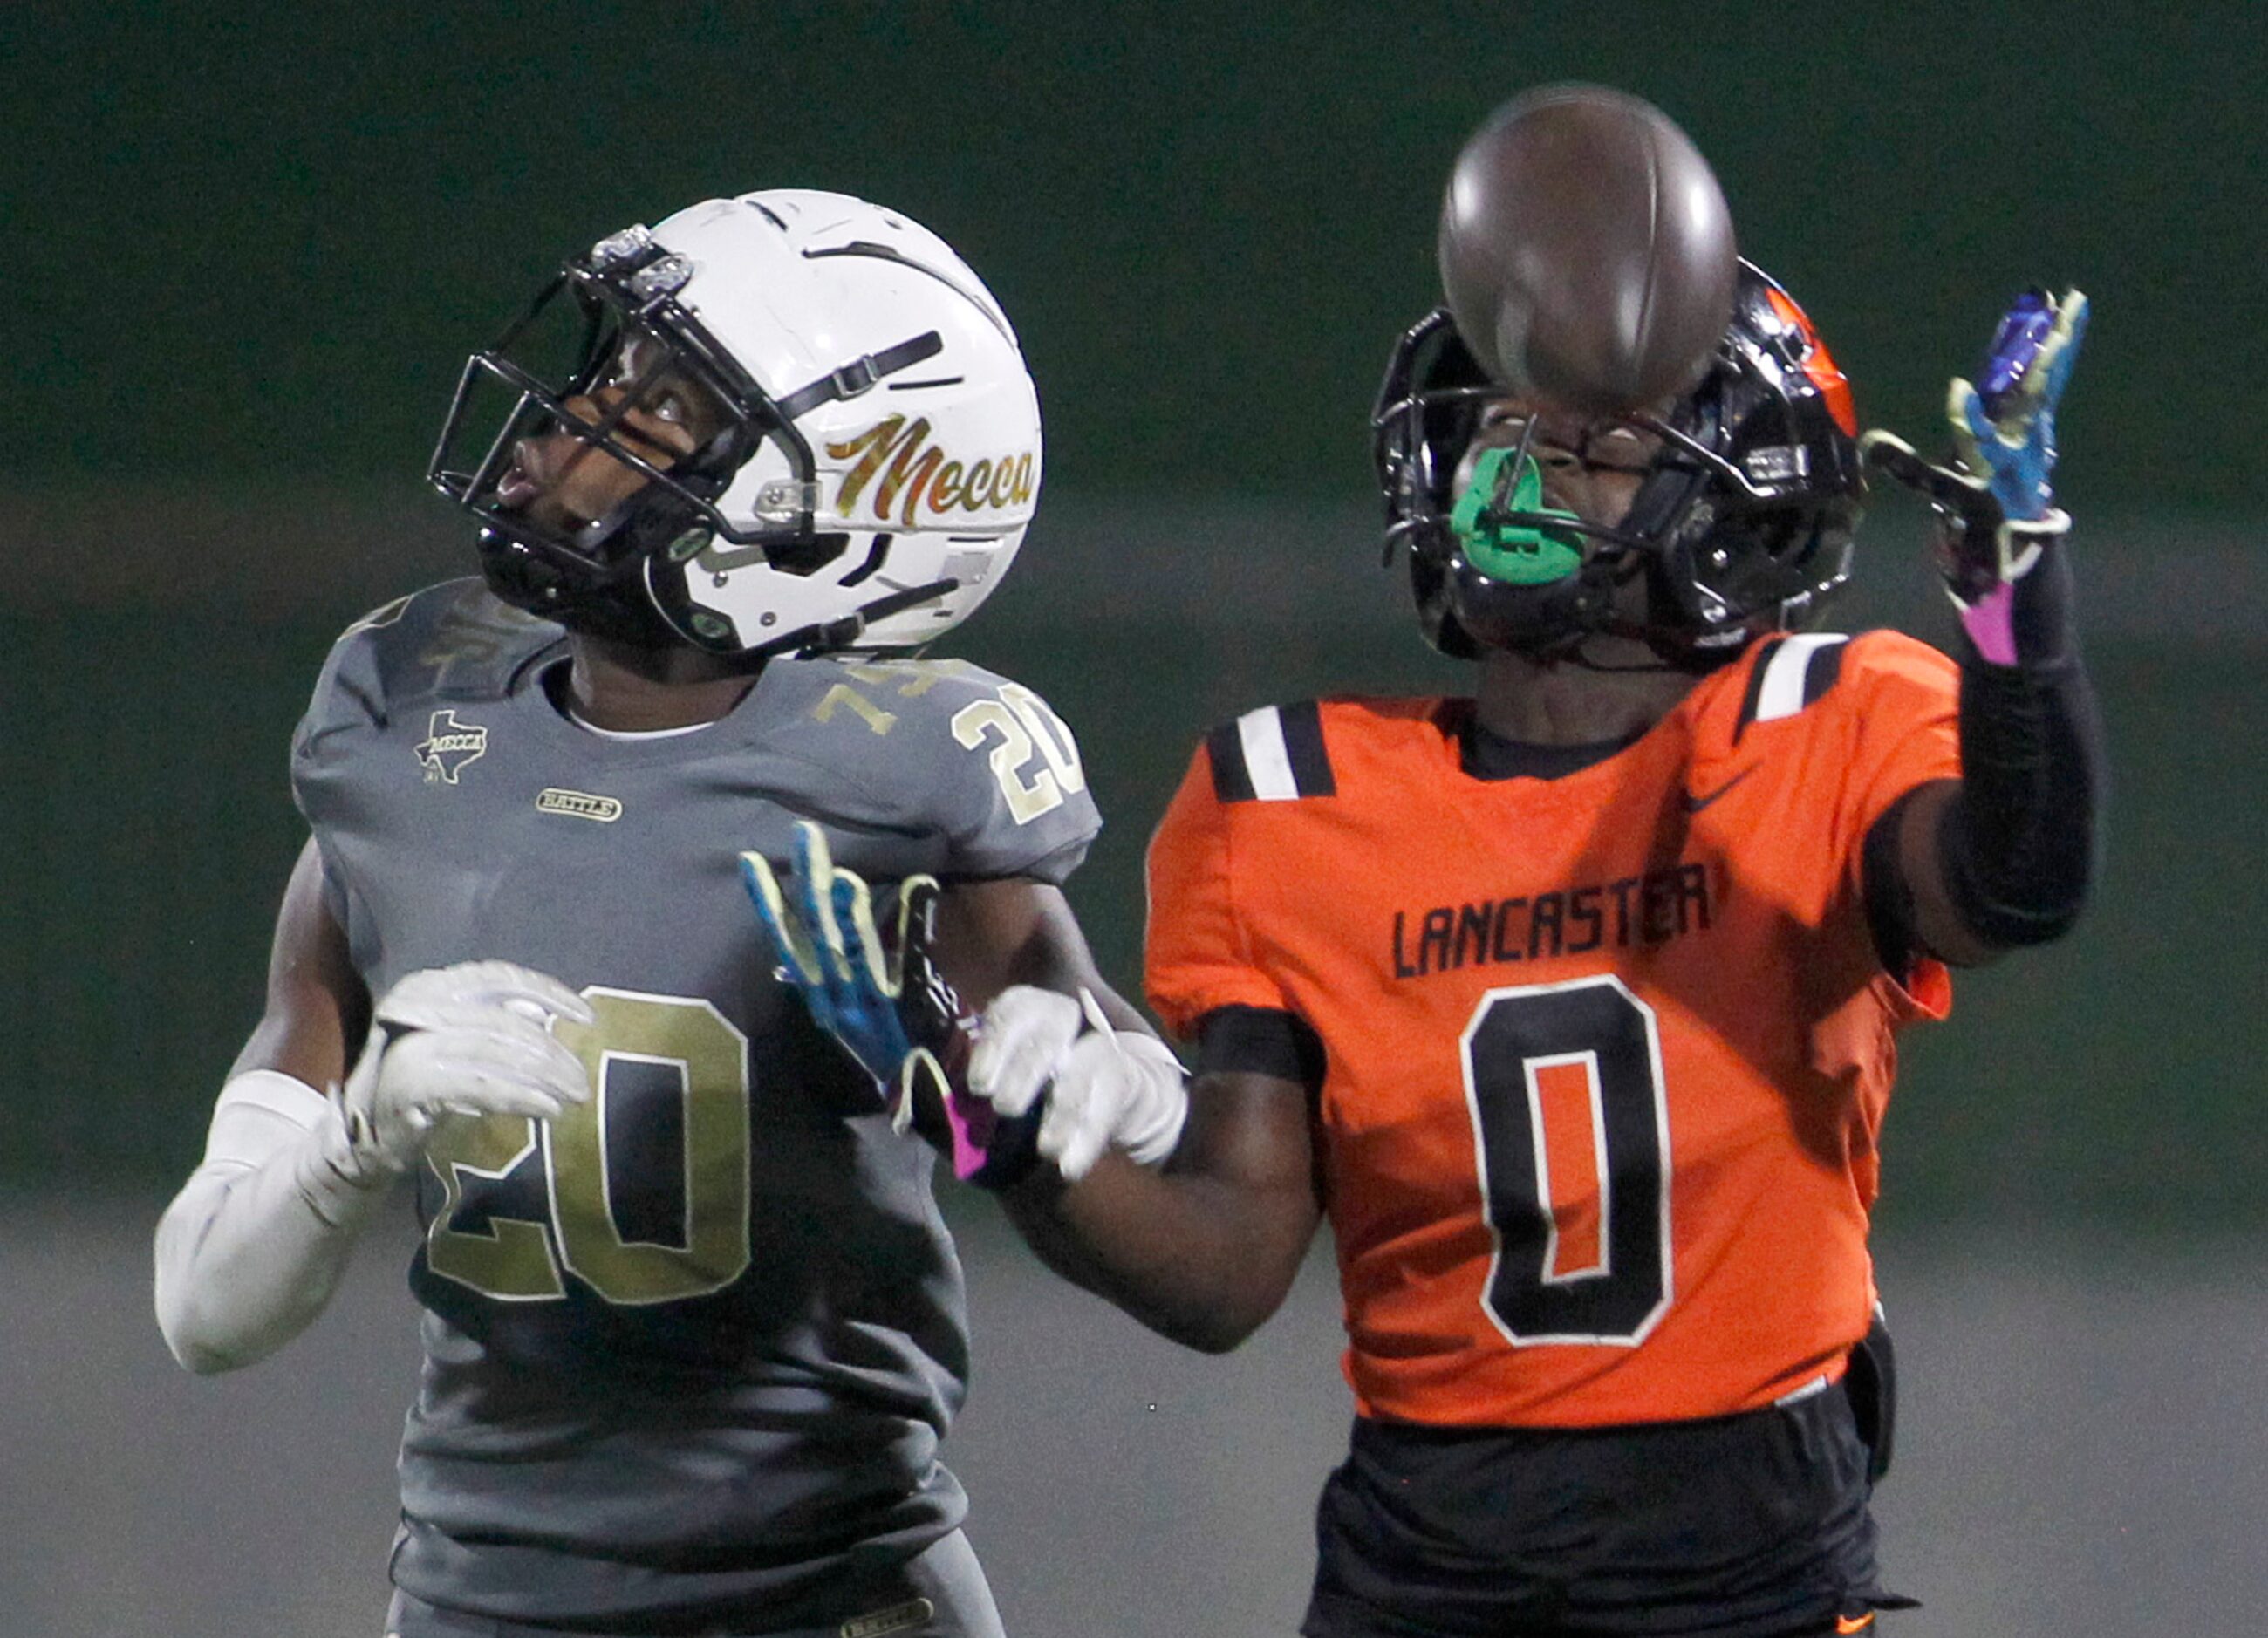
column 879, row 459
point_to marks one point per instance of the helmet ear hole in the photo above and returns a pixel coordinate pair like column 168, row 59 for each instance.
column 807, row 555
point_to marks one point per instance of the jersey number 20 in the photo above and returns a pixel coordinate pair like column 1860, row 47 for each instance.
column 521, row 1260
column 1018, row 723
column 1572, row 1130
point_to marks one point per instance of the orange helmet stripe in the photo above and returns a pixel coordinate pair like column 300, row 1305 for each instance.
column 1819, row 364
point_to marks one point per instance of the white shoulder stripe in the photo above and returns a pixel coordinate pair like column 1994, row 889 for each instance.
column 1781, row 692
column 1267, row 759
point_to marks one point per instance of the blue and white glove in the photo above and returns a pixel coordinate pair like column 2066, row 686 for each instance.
column 884, row 1000
column 1996, row 502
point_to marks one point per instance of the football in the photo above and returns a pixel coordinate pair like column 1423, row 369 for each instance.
column 1586, row 252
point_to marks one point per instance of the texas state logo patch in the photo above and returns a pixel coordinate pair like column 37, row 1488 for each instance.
column 448, row 745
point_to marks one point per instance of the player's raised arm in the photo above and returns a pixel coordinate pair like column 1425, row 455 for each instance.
column 251, row 1249
column 2003, row 857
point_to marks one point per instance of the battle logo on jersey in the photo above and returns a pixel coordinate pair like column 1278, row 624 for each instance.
column 897, row 1619
column 579, row 805
column 448, row 745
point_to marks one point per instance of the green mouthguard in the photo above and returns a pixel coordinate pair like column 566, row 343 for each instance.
column 1517, row 553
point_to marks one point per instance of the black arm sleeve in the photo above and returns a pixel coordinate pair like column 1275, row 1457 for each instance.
column 2021, row 839
column 1890, row 901
column 1261, row 1040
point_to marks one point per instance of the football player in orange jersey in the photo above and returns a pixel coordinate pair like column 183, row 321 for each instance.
column 1573, row 1004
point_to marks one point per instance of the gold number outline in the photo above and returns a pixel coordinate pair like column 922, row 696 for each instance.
column 579, row 1233
column 1034, row 759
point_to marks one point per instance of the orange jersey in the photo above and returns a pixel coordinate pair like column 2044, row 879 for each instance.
column 1607, row 1054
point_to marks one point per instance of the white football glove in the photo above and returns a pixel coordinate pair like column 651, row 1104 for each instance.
column 474, row 1038
column 1104, row 1086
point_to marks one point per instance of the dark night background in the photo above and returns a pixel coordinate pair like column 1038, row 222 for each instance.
column 249, row 246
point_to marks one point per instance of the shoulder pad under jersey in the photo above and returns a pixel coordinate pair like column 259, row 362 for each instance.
column 943, row 745
column 1792, row 675
column 454, row 641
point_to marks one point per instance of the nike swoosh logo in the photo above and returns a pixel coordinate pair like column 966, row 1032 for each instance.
column 1694, row 805
column 1846, row 1625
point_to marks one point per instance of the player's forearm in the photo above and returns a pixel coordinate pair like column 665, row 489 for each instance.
column 1202, row 1250
column 2018, row 842
column 251, row 1249
column 1169, row 1253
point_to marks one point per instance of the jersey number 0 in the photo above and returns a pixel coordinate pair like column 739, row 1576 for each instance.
column 1572, row 1132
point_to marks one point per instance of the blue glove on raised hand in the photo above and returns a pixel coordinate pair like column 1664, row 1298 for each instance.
column 1996, row 502
column 885, row 1001
column 2004, row 426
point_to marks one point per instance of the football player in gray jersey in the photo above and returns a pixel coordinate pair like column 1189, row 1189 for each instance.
column 693, row 1326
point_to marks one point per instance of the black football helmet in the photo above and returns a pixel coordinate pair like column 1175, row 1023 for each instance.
column 1741, row 523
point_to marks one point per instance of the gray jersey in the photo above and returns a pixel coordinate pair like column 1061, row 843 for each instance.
column 691, row 1350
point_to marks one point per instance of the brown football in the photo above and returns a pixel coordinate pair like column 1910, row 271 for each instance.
column 1586, row 252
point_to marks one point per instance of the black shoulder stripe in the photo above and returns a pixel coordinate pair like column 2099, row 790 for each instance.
column 1790, row 675
column 1303, row 740
column 1756, row 686
column 1826, row 665
column 1273, row 754
column 1225, row 752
